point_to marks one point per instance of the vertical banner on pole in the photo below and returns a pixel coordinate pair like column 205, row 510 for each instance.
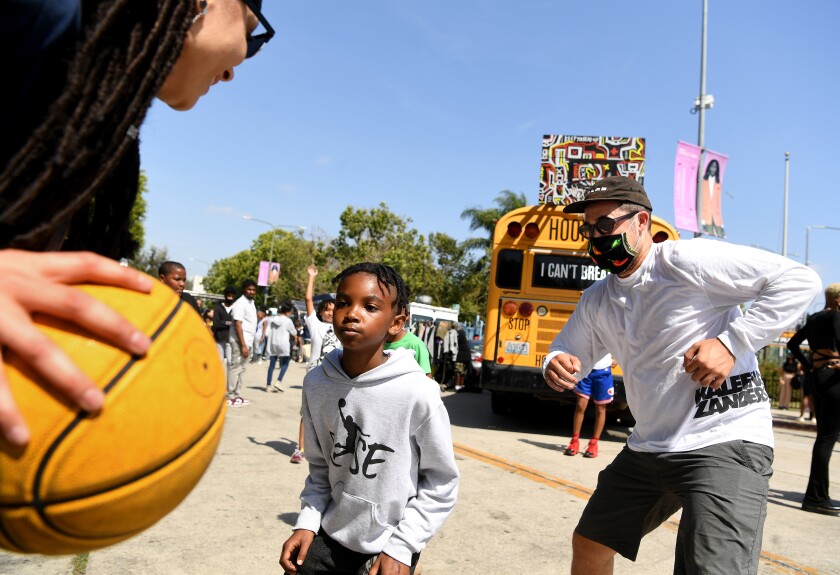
column 273, row 272
column 685, row 186
column 711, row 188
column 262, row 278
column 269, row 273
column 571, row 164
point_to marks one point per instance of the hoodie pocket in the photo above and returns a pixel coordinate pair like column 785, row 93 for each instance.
column 353, row 518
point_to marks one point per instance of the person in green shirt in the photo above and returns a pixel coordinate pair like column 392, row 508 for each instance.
column 410, row 341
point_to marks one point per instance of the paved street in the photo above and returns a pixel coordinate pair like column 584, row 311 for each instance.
column 519, row 501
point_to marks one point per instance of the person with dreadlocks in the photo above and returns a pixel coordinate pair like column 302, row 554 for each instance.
column 84, row 76
column 382, row 473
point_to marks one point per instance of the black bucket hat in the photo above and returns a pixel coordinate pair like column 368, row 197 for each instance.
column 615, row 189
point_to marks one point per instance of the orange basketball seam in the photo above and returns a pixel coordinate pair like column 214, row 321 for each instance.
column 40, row 505
column 186, row 450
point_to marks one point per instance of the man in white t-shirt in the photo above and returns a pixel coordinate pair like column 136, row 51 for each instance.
column 244, row 314
column 669, row 313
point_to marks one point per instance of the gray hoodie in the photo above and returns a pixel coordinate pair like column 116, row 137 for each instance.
column 382, row 473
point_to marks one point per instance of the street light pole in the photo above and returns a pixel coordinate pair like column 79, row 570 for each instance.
column 271, row 250
column 808, row 233
column 700, row 104
column 785, row 226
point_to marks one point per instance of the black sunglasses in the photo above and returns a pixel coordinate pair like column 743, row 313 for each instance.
column 255, row 43
column 604, row 225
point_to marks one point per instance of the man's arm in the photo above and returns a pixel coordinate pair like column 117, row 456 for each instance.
column 237, row 325
column 794, row 343
column 779, row 288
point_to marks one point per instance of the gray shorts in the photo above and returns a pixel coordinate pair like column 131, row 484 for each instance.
column 722, row 490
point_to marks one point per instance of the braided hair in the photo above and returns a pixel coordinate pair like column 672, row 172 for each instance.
column 74, row 182
column 385, row 275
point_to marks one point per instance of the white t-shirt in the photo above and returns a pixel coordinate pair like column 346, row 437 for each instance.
column 245, row 311
column 603, row 363
column 281, row 328
column 323, row 339
column 684, row 292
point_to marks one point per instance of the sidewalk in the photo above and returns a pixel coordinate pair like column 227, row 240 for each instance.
column 789, row 419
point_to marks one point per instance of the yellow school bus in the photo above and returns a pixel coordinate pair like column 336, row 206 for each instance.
column 539, row 270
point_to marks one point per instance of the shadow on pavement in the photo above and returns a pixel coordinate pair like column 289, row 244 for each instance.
column 286, row 446
column 288, row 518
column 792, row 499
column 537, row 417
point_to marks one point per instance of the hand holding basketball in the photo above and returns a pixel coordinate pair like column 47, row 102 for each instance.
column 86, row 481
column 32, row 282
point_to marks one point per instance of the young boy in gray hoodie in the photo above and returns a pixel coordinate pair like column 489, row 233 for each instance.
column 382, row 474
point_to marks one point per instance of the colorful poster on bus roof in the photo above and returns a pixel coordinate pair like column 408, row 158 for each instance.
column 571, row 164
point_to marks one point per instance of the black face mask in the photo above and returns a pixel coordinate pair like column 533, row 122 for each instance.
column 612, row 253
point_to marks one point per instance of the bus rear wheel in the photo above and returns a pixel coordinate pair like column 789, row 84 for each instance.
column 500, row 403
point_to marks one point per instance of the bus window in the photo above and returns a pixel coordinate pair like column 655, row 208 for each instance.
column 509, row 269
column 563, row 272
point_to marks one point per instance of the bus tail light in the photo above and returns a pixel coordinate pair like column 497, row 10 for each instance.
column 526, row 309
column 514, row 229
column 509, row 308
column 532, row 231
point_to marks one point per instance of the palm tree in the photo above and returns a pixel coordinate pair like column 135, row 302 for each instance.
column 486, row 218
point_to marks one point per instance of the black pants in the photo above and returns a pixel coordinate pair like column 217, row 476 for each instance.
column 825, row 383
column 326, row 555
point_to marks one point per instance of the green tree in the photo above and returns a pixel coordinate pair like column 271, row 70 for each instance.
column 291, row 250
column 379, row 235
column 137, row 218
column 148, row 260
column 486, row 218
column 460, row 277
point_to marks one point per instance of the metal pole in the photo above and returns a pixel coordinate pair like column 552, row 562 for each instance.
column 701, row 131
column 807, row 234
column 784, row 229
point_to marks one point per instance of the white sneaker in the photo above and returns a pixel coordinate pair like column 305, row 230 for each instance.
column 277, row 387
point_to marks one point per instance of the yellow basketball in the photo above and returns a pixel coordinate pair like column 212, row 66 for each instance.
column 86, row 482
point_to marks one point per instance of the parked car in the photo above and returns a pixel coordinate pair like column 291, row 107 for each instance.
column 476, row 347
column 474, row 374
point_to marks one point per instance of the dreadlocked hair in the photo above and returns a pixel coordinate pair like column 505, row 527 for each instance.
column 385, row 275
column 74, row 182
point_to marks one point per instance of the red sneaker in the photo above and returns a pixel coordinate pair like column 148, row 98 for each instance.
column 574, row 447
column 591, row 450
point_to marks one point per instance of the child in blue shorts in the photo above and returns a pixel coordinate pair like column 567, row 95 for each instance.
column 598, row 385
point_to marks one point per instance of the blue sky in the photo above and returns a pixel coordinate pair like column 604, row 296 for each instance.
column 436, row 106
